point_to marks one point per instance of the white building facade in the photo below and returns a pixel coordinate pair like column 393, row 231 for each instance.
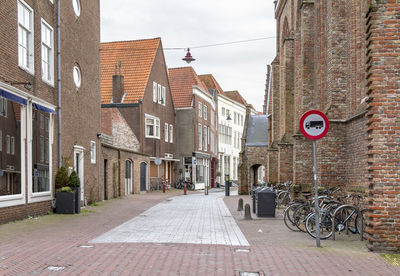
column 229, row 136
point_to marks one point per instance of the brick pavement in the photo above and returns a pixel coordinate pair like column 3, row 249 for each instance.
column 29, row 247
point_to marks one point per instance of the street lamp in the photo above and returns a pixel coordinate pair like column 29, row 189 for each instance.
column 188, row 58
column 228, row 119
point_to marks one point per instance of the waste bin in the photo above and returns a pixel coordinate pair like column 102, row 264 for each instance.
column 265, row 203
column 253, row 193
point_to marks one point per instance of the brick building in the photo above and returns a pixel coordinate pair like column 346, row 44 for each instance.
column 135, row 87
column 196, row 122
column 341, row 57
column 43, row 114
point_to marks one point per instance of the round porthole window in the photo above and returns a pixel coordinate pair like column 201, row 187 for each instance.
column 77, row 76
column 77, row 7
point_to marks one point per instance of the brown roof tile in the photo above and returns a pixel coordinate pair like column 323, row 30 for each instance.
column 136, row 57
column 211, row 83
column 235, row 95
column 181, row 81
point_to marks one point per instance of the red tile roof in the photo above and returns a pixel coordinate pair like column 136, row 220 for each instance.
column 235, row 95
column 211, row 83
column 181, row 81
column 136, row 57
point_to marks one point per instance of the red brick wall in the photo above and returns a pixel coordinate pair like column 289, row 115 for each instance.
column 383, row 125
column 23, row 211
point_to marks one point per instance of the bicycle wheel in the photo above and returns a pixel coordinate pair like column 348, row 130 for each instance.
column 283, row 198
column 325, row 225
column 300, row 216
column 346, row 219
column 288, row 217
column 358, row 221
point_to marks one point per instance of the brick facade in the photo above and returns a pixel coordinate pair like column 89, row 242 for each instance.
column 346, row 57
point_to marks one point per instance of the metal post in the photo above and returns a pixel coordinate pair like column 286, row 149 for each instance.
column 226, row 184
column 317, row 215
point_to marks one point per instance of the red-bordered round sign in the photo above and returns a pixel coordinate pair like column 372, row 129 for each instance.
column 314, row 124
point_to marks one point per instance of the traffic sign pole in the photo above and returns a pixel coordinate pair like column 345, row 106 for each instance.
column 314, row 125
column 316, row 202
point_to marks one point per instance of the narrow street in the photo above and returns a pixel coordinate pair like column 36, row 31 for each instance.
column 159, row 234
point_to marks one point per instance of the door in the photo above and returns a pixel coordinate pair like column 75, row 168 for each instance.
column 79, row 168
column 128, row 177
column 143, row 176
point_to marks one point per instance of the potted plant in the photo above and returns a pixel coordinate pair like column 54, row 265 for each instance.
column 74, row 183
column 65, row 196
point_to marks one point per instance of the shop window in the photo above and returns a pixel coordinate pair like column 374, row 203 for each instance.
column 40, row 151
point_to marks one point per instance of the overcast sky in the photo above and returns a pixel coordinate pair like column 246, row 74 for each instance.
column 183, row 24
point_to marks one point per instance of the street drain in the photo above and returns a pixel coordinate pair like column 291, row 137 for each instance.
column 242, row 250
column 86, row 246
column 246, row 273
column 55, row 268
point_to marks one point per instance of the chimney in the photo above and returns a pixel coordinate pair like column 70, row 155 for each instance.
column 118, row 85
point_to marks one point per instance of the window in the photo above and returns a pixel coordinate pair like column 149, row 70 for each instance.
column 41, row 121
column 40, row 156
column 166, row 132
column 159, row 93
column 77, row 76
column 171, row 134
column 12, row 145
column 77, row 7
column 41, row 148
column 205, row 138
column 200, row 110
column 205, row 112
column 46, row 125
column 199, row 129
column 212, row 117
column 3, row 107
column 154, row 92
column 8, row 144
column 152, row 127
column 212, row 141
column 25, row 36
column 47, row 53
column 46, row 147
column 223, row 111
column 163, row 95
column 234, row 118
column 93, row 152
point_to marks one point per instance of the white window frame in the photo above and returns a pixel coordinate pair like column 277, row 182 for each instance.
column 154, row 91
column 8, row 144
column 171, row 133
column 47, row 46
column 205, row 108
column 25, row 31
column 159, row 89
column 163, row 96
column 200, row 110
column 166, row 132
column 155, row 124
column 200, row 136
column 3, row 107
column 205, row 138
column 92, row 152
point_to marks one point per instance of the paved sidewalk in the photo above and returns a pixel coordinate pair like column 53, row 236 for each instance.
column 62, row 242
column 194, row 218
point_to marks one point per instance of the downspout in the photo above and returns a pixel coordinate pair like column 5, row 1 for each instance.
column 59, row 82
column 269, row 88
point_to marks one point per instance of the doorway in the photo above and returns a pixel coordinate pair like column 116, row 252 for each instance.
column 128, row 177
column 105, row 179
column 79, row 168
column 143, row 176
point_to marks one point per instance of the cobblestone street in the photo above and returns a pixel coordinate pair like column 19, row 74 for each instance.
column 165, row 236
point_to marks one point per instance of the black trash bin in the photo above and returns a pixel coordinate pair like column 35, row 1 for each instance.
column 253, row 193
column 265, row 203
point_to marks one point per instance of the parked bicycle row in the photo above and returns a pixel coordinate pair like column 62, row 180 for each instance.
column 338, row 213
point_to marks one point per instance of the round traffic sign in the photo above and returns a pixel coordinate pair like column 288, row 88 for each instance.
column 314, row 124
column 157, row 161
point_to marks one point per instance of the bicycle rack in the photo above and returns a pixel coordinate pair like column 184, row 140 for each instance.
column 358, row 213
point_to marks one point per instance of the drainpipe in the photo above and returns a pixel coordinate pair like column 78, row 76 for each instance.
column 59, row 82
column 269, row 87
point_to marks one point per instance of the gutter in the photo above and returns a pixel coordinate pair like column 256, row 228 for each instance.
column 59, row 82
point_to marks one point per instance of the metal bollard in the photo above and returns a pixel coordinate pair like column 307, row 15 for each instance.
column 226, row 184
column 184, row 189
column 247, row 214
column 163, row 187
column 240, row 204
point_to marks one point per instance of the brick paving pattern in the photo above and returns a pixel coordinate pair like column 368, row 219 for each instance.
column 32, row 246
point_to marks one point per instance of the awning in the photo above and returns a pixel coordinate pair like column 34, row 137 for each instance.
column 43, row 108
column 12, row 97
